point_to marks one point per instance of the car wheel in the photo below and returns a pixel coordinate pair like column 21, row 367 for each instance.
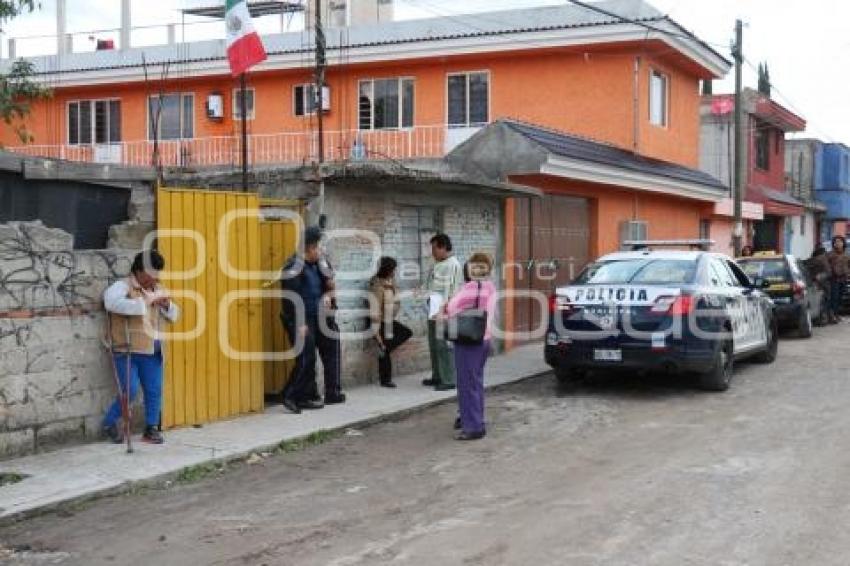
column 804, row 329
column 768, row 355
column 720, row 374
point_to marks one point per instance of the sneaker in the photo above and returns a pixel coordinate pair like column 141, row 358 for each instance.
column 310, row 405
column 152, row 436
column 444, row 387
column 388, row 383
column 430, row 382
column 113, row 434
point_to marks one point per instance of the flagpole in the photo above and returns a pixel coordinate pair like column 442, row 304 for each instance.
column 243, row 111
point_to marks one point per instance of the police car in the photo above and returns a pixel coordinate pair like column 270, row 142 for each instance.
column 656, row 309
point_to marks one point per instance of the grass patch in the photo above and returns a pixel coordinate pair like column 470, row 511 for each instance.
column 9, row 478
column 203, row 471
column 312, row 439
column 199, row 472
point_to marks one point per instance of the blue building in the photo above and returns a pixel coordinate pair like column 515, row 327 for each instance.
column 835, row 192
column 818, row 171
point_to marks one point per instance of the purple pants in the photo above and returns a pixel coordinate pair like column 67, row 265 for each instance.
column 469, row 361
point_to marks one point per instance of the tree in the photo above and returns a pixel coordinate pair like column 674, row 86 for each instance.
column 764, row 79
column 18, row 90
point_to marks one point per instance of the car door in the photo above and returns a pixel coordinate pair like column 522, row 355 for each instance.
column 733, row 301
column 752, row 305
column 813, row 293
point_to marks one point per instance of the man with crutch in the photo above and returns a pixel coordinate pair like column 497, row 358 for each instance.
column 136, row 307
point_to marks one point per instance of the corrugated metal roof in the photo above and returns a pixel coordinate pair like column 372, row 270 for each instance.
column 432, row 29
column 573, row 147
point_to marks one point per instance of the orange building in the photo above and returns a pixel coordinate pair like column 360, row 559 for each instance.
column 623, row 77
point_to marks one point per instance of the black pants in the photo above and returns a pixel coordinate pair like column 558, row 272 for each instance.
column 393, row 338
column 302, row 385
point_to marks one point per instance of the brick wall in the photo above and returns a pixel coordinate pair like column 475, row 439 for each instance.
column 55, row 375
column 473, row 222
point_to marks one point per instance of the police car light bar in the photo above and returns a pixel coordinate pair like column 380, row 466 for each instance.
column 637, row 245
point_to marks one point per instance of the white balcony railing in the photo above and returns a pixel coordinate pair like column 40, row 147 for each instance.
column 264, row 149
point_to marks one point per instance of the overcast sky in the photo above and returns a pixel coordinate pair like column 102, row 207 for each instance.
column 805, row 42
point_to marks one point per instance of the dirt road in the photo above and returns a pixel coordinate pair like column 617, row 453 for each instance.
column 614, row 472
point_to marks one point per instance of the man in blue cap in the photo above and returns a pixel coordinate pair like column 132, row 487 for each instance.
column 308, row 280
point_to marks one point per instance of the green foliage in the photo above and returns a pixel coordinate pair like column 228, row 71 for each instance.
column 11, row 8
column 17, row 89
column 17, row 93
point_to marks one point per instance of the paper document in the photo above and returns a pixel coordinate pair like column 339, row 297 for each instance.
column 435, row 303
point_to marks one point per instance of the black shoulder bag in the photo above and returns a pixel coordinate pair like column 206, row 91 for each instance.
column 468, row 327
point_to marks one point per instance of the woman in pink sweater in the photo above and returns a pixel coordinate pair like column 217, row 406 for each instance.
column 477, row 292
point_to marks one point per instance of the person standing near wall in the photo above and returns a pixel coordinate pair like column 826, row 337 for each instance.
column 445, row 279
column 308, row 283
column 383, row 311
column 839, row 261
column 135, row 308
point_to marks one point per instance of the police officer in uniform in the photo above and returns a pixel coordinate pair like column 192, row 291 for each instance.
column 309, row 279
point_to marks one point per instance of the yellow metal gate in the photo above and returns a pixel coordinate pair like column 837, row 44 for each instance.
column 216, row 247
column 278, row 240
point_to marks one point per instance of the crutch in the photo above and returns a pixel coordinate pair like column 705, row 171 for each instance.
column 123, row 394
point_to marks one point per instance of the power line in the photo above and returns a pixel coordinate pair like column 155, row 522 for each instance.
column 639, row 22
column 458, row 17
column 793, row 107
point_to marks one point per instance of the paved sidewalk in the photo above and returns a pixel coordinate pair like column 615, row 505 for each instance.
column 81, row 472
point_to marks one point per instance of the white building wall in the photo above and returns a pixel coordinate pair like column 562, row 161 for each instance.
column 803, row 235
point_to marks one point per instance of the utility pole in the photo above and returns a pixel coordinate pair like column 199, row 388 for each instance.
column 740, row 166
column 321, row 65
column 243, row 115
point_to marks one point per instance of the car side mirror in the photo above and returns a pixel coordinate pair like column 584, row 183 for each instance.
column 760, row 283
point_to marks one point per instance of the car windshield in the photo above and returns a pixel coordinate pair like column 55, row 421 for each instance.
column 645, row 271
column 773, row 270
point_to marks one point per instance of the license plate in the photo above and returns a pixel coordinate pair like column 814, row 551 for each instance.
column 608, row 355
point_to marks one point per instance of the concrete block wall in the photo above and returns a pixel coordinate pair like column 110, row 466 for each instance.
column 55, row 375
column 141, row 210
column 475, row 223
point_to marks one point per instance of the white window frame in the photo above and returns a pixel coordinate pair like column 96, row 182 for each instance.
column 91, row 102
column 467, row 74
column 252, row 110
column 305, row 93
column 400, row 82
column 182, row 117
column 666, row 110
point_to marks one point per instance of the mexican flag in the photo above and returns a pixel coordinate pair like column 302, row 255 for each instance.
column 244, row 46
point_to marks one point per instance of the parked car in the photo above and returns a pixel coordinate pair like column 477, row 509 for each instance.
column 798, row 300
column 661, row 310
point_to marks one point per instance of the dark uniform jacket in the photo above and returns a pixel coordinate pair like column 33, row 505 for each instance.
column 293, row 280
